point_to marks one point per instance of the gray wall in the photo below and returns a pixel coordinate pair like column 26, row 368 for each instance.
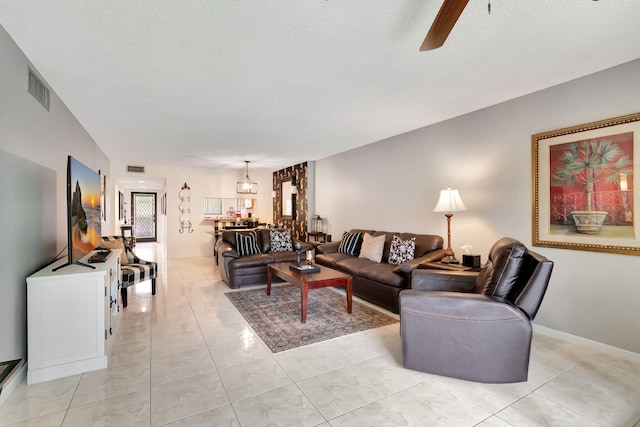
column 394, row 185
column 34, row 145
column 29, row 239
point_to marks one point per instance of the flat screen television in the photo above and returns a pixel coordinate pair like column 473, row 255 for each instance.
column 83, row 211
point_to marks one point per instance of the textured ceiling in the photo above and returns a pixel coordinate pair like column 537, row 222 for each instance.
column 212, row 83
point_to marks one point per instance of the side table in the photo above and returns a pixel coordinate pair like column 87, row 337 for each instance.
column 448, row 267
column 317, row 237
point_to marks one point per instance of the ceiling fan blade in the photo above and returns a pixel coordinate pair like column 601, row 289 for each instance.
column 449, row 13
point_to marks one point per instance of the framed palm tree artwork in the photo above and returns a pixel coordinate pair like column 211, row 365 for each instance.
column 584, row 184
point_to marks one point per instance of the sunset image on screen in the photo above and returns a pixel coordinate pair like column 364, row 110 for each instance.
column 85, row 209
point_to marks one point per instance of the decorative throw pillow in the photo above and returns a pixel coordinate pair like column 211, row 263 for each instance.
column 350, row 244
column 280, row 240
column 116, row 244
column 247, row 243
column 401, row 250
column 372, row 247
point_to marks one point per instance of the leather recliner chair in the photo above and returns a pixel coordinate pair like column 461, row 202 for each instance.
column 475, row 326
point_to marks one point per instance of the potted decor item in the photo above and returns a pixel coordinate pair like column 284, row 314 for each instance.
column 586, row 163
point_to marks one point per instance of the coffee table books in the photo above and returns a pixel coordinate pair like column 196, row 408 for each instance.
column 305, row 268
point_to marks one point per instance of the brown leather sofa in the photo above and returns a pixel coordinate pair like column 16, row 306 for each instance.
column 475, row 326
column 238, row 270
column 381, row 282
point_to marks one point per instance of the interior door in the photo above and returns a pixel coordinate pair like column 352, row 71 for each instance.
column 143, row 216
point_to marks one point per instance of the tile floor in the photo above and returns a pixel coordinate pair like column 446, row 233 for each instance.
column 187, row 358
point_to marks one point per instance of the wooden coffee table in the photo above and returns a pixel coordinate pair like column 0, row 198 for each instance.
column 305, row 281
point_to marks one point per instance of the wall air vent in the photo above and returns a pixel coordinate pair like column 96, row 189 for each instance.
column 135, row 169
column 38, row 89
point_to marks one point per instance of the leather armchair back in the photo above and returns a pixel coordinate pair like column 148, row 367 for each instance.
column 515, row 273
column 530, row 297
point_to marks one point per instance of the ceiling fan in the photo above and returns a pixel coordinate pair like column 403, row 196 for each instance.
column 449, row 13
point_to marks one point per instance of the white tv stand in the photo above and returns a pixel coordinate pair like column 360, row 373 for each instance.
column 72, row 315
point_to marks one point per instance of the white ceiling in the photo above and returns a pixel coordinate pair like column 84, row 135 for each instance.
column 214, row 83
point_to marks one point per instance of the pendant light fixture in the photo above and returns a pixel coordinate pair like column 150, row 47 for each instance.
column 247, row 186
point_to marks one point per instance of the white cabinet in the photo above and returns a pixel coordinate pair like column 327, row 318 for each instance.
column 72, row 315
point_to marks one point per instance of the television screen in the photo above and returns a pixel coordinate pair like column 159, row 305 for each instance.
column 83, row 209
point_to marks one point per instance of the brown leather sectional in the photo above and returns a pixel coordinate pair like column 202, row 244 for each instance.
column 381, row 283
column 238, row 270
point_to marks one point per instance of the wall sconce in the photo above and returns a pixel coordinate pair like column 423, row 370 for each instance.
column 185, row 209
column 294, row 185
column 449, row 202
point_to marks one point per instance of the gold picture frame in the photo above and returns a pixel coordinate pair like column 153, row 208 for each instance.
column 584, row 184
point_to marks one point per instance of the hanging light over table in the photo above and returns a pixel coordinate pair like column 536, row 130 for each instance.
column 247, row 186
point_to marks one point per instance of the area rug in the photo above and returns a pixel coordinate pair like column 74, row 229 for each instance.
column 276, row 318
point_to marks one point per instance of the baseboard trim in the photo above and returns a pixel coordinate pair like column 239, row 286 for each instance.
column 594, row 345
column 13, row 382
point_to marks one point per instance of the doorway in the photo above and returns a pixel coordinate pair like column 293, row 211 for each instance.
column 143, row 216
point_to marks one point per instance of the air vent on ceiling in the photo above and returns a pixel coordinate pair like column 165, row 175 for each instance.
column 38, row 89
column 135, row 169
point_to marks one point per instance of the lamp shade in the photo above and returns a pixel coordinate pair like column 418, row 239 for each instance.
column 449, row 201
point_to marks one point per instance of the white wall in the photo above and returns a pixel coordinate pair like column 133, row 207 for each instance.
column 43, row 139
column 393, row 185
column 204, row 182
